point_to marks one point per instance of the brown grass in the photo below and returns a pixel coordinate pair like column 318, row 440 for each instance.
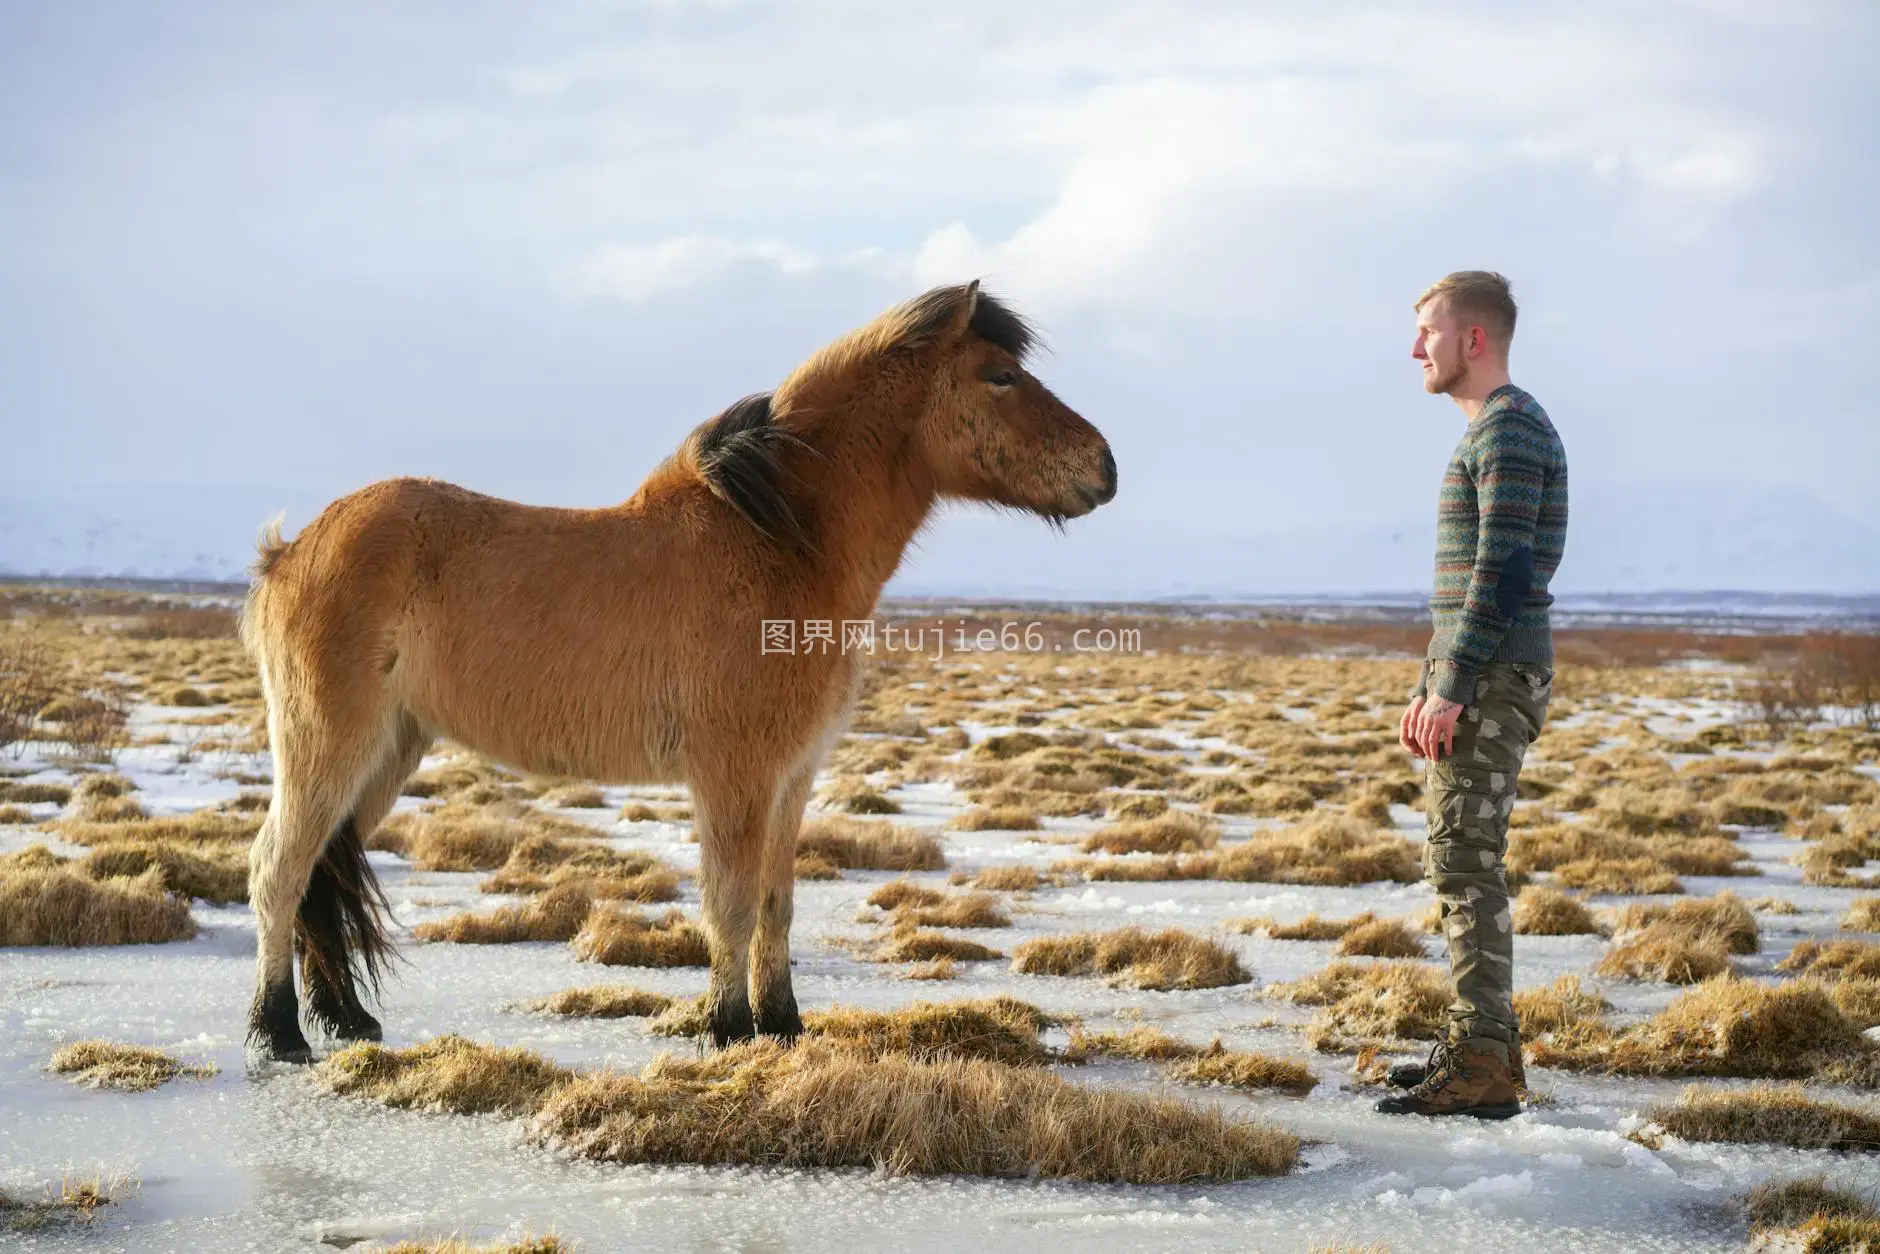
column 858, row 845
column 1667, row 952
column 918, row 906
column 1723, row 1027
column 909, row 944
column 102, row 1064
column 1244, row 1069
column 549, row 1244
column 1325, row 849
column 75, row 1198
column 57, row 907
column 447, row 1073
column 1834, row 960
column 1381, row 938
column 620, row 938
column 1768, row 1114
column 538, row 863
column 1310, row 928
column 1390, row 1000
column 1724, row 915
column 456, row 838
column 1540, row 911
column 813, row 866
column 1134, row 957
column 1564, row 1002
column 820, row 1106
column 938, row 969
column 1008, row 818
column 603, row 1001
column 200, row 827
column 28, row 792
column 1015, row 878
column 1630, row 877
column 556, row 915
column 997, row 1029
column 1140, row 1042
column 1174, row 832
column 1863, row 915
column 575, row 797
column 217, row 874
column 1811, row 1216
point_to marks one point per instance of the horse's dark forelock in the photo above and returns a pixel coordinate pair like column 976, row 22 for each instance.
column 738, row 453
column 993, row 320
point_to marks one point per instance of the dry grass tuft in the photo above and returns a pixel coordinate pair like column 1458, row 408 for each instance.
column 575, row 797
column 1141, row 1042
column 1016, row 878
column 56, row 907
column 1007, row 818
column 1244, row 1069
column 1863, row 915
column 819, row 1106
column 603, row 1001
column 1723, row 1027
column 538, row 863
column 445, row 1073
column 938, row 969
column 1812, row 1216
column 556, row 915
column 618, row 938
column 1767, row 1114
column 131, row 1068
column 813, row 866
column 997, row 1029
column 904, row 892
column 858, row 845
column 75, row 1199
column 909, row 944
column 1135, row 958
column 217, row 874
column 1174, row 832
column 1326, row 849
column 1834, row 960
column 29, row 792
column 1391, row 1000
column 1310, row 928
column 1628, row 877
column 1381, row 938
column 1540, row 911
column 549, row 1244
column 1668, row 952
column 1561, row 1004
column 198, row 828
column 1724, row 915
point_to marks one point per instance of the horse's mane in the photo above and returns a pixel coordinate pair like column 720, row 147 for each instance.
column 738, row 453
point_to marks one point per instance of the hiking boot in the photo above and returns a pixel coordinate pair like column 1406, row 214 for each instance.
column 1407, row 1075
column 1461, row 1079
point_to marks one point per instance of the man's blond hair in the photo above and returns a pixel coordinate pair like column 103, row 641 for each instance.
column 1477, row 298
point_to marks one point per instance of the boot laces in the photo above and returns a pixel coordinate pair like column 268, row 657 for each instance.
column 1442, row 1063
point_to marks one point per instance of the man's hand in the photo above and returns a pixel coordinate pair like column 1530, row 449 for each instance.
column 1406, row 726
column 1433, row 729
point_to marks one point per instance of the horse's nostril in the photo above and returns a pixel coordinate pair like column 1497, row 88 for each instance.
column 1109, row 474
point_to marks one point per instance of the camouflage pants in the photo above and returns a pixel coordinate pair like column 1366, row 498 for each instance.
column 1469, row 795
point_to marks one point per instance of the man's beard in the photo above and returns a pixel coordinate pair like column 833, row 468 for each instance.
column 1439, row 380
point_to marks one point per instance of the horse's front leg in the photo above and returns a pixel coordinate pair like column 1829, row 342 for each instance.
column 732, row 825
column 772, row 997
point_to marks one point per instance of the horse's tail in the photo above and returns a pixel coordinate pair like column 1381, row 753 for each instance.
column 270, row 548
column 340, row 926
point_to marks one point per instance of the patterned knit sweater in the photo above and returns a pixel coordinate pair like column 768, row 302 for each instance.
column 1501, row 526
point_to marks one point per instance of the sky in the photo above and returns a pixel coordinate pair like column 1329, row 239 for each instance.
column 253, row 257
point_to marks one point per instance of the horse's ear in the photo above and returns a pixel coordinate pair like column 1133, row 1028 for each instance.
column 963, row 314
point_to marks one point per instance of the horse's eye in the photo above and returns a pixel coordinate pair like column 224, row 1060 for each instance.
column 1002, row 378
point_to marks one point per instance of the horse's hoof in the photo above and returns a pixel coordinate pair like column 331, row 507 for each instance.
column 266, row 1053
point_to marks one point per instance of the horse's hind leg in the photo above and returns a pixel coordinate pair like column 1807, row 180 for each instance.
column 773, row 1000
column 732, row 825
column 317, row 776
column 337, row 928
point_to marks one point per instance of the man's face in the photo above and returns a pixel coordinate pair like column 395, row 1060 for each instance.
column 1440, row 346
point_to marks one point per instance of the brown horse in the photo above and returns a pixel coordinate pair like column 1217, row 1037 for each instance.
column 623, row 644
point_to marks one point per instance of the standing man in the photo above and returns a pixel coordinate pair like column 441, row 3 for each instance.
column 1501, row 527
